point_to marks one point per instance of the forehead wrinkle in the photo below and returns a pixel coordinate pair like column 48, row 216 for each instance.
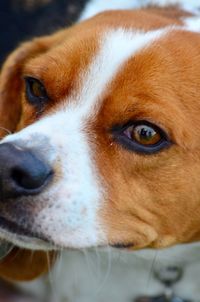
column 116, row 47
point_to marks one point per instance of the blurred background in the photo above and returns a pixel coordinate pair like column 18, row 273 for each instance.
column 23, row 19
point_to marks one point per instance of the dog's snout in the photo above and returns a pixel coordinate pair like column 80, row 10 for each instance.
column 22, row 172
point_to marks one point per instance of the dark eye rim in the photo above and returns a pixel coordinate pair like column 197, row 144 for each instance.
column 31, row 98
column 131, row 145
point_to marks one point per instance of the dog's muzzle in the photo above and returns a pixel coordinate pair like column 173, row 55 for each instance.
column 22, row 172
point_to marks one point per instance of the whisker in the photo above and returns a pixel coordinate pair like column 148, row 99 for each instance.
column 59, row 262
column 107, row 274
column 98, row 257
column 151, row 269
column 52, row 293
column 88, row 262
column 32, row 255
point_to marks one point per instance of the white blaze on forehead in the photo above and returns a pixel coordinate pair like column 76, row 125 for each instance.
column 71, row 217
column 116, row 47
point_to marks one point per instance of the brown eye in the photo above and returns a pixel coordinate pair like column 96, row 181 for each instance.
column 35, row 91
column 141, row 137
column 143, row 134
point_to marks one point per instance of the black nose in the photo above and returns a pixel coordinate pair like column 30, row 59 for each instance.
column 21, row 172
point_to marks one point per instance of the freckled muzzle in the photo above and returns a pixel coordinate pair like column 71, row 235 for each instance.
column 49, row 186
column 22, row 172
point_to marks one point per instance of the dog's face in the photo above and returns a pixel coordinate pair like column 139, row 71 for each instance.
column 108, row 148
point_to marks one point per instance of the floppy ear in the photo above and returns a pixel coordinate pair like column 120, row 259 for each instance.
column 20, row 264
column 11, row 80
column 10, row 86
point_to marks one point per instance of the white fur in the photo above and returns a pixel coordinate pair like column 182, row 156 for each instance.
column 69, row 218
column 117, row 46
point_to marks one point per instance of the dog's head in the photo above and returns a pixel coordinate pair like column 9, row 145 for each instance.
column 107, row 149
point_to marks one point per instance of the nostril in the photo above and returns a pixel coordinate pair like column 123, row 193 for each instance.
column 22, row 172
column 18, row 176
column 30, row 179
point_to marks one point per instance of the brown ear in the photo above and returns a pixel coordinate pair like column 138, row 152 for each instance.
column 10, row 86
column 25, row 265
column 11, row 80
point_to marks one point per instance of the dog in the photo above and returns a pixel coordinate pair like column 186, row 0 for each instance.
column 106, row 152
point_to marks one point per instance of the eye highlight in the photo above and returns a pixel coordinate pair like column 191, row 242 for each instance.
column 35, row 92
column 142, row 137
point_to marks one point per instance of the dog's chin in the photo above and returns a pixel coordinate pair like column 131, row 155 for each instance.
column 36, row 243
column 25, row 238
column 26, row 242
column 21, row 237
